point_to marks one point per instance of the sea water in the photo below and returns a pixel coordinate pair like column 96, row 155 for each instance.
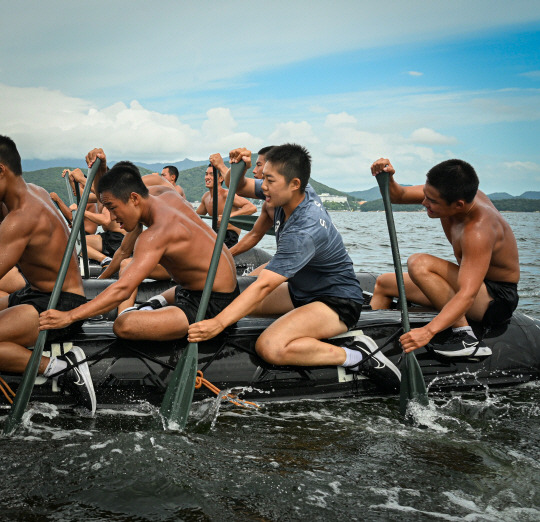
column 475, row 457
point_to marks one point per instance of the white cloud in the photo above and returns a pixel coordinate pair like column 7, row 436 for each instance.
column 415, row 73
column 522, row 166
column 535, row 75
column 288, row 132
column 430, row 137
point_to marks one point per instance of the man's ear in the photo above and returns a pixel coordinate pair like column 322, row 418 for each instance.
column 459, row 204
column 135, row 198
column 295, row 184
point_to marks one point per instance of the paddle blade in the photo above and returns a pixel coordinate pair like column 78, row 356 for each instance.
column 413, row 386
column 179, row 394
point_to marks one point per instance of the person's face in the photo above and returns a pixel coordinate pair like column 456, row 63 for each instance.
column 165, row 174
column 275, row 188
column 259, row 165
column 125, row 214
column 435, row 205
column 209, row 178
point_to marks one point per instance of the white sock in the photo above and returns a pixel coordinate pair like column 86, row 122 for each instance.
column 55, row 365
column 353, row 357
column 106, row 261
column 466, row 329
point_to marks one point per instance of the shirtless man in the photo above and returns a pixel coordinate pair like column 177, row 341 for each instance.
column 241, row 206
column 310, row 281
column 170, row 173
column 34, row 236
column 481, row 286
column 176, row 238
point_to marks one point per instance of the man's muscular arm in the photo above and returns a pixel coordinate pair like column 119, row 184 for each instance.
column 15, row 233
column 146, row 256
column 398, row 194
column 245, row 303
column 477, row 247
column 249, row 240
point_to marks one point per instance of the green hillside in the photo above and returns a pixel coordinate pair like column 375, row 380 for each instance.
column 503, row 205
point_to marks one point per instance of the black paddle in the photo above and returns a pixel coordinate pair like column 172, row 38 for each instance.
column 179, row 394
column 215, row 200
column 413, row 387
column 29, row 377
column 84, row 250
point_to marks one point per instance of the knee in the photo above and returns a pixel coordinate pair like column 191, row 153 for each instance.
column 270, row 350
column 418, row 265
column 385, row 284
column 122, row 325
column 124, row 263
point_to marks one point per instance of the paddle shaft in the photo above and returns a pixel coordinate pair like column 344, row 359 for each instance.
column 179, row 394
column 29, row 377
column 413, row 386
column 383, row 181
column 84, row 250
column 215, row 200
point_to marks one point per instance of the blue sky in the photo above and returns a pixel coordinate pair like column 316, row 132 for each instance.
column 417, row 82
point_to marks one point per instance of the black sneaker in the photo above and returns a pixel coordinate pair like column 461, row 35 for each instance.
column 373, row 364
column 77, row 380
column 462, row 344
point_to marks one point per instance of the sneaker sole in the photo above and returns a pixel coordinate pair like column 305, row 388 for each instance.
column 380, row 357
column 84, row 371
column 467, row 352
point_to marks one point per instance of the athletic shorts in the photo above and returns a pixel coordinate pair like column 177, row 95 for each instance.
column 231, row 238
column 188, row 301
column 505, row 301
column 40, row 301
column 348, row 310
column 111, row 242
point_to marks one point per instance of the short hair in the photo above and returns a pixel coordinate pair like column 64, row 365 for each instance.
column 264, row 150
column 123, row 179
column 454, row 179
column 291, row 161
column 9, row 155
column 173, row 171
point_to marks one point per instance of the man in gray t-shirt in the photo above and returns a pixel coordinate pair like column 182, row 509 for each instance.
column 310, row 281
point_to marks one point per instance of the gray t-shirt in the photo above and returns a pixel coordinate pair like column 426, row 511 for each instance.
column 310, row 252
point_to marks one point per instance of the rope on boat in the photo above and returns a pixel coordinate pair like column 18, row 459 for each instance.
column 3, row 386
column 200, row 380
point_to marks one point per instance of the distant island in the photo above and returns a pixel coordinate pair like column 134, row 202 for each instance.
column 192, row 181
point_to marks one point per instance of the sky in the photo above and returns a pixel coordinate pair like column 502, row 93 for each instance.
column 417, row 82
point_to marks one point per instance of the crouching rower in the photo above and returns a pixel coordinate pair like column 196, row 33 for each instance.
column 34, row 236
column 310, row 281
column 175, row 237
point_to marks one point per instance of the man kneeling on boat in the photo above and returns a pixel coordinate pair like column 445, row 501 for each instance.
column 176, row 238
column 482, row 286
column 34, row 236
column 310, row 281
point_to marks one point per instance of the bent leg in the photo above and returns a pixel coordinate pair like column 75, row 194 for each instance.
column 19, row 327
column 386, row 289
column 438, row 280
column 164, row 324
column 294, row 338
column 11, row 282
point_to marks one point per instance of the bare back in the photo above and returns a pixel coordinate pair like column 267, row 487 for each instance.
column 44, row 235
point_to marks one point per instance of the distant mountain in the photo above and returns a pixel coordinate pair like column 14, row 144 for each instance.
column 185, row 164
column 367, row 195
column 37, row 164
column 530, row 194
column 499, row 195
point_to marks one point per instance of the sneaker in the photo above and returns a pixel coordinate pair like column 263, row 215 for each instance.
column 373, row 364
column 462, row 344
column 77, row 380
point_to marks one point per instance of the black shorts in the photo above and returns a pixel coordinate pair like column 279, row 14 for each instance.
column 111, row 242
column 348, row 310
column 505, row 301
column 40, row 301
column 231, row 238
column 188, row 301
